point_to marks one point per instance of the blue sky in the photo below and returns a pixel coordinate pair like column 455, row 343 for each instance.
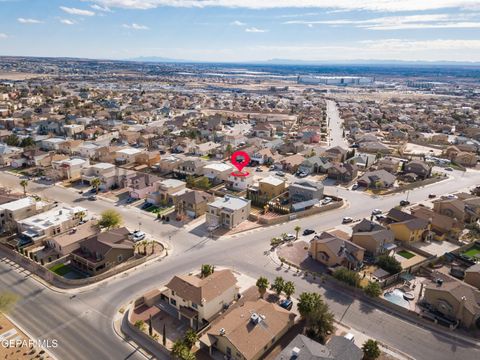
column 243, row 30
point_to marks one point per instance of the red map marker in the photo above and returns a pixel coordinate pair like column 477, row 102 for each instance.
column 240, row 159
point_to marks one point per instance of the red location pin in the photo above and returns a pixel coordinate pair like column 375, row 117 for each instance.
column 240, row 159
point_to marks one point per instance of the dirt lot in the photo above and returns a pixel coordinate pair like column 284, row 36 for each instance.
column 18, row 76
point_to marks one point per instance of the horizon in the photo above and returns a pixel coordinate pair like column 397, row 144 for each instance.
column 231, row 31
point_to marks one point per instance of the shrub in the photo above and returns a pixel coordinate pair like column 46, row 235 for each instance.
column 347, row 276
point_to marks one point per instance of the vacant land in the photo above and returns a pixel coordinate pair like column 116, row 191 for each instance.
column 14, row 76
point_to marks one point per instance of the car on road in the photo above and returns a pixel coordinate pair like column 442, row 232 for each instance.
column 289, row 237
column 355, row 187
column 376, row 212
column 287, row 304
column 280, row 173
column 138, row 236
column 92, row 197
column 404, row 202
column 450, row 197
column 131, row 200
column 308, row 232
column 449, row 168
column 327, row 200
column 347, row 220
column 432, row 196
column 272, row 167
column 258, row 169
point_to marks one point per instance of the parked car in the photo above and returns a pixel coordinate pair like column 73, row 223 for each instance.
column 308, row 232
column 286, row 304
column 302, row 175
column 376, row 212
column 347, row 220
column 92, row 197
column 280, row 173
column 138, row 236
column 272, row 167
column 449, row 168
column 404, row 203
column 432, row 196
column 258, row 169
column 289, row 237
column 327, row 200
column 355, row 187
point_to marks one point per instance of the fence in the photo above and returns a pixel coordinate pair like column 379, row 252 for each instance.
column 62, row 282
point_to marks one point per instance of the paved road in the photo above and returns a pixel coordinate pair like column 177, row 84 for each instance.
column 335, row 125
column 83, row 325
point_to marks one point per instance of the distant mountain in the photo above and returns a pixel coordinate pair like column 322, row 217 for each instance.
column 367, row 62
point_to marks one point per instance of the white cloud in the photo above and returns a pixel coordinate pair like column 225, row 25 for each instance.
column 372, row 5
column 427, row 21
column 255, row 30
column 75, row 11
column 68, row 21
column 100, row 8
column 29, row 21
column 134, row 26
column 3, row 36
column 237, row 23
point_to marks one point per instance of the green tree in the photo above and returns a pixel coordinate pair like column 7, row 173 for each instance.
column 24, row 184
column 180, row 351
column 289, row 289
column 110, row 219
column 206, row 270
column 203, row 183
column 28, row 141
column 229, row 150
column 7, row 301
column 307, row 303
column 319, row 319
column 371, row 350
column 373, row 289
column 96, row 182
column 190, row 181
column 297, row 230
column 190, row 338
column 389, row 264
column 262, row 285
column 347, row 276
column 278, row 285
column 12, row 140
column 164, row 336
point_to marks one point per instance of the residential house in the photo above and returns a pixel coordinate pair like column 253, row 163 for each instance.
column 271, row 187
column 7, row 153
column 148, row 158
column 169, row 163
column 453, row 299
column 248, row 331
column 88, row 150
column 373, row 237
column 193, row 203
column 103, row 251
column 228, row 212
column 206, row 148
column 389, row 164
column 69, row 241
column 466, row 159
column 104, row 171
column 51, row 143
column 71, row 147
column 332, row 251
column 140, row 185
column 304, row 348
column 443, row 227
column 419, row 168
column 343, row 172
column 263, row 130
column 49, row 223
column 69, row 169
column 472, row 275
column 239, row 183
column 377, row 179
column 409, row 228
column 217, row 172
column 166, row 191
column 335, row 154
column 454, row 208
column 263, row 156
column 127, row 156
column 200, row 299
column 190, row 167
column 374, row 147
column 304, row 190
column 292, row 163
column 13, row 211
column 70, row 130
column 315, row 164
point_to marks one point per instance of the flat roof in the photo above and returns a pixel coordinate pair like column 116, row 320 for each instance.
column 18, row 204
column 229, row 202
column 51, row 217
column 129, row 151
column 103, row 166
column 218, row 167
column 272, row 180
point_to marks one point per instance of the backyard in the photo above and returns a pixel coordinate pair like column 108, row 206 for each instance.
column 405, row 254
column 67, row 271
column 473, row 253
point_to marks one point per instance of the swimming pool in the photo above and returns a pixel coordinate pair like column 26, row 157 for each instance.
column 396, row 296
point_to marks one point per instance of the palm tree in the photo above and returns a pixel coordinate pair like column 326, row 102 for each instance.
column 190, row 338
column 289, row 288
column 297, row 230
column 152, row 243
column 262, row 285
column 24, row 184
column 278, row 285
column 206, row 270
column 144, row 244
column 96, row 184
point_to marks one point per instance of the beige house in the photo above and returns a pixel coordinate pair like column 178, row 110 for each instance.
column 199, row 299
column 166, row 191
column 227, row 212
column 453, row 299
column 20, row 209
column 69, row 241
column 472, row 275
column 193, row 203
column 248, row 331
column 69, row 169
column 331, row 251
column 271, row 187
column 373, row 237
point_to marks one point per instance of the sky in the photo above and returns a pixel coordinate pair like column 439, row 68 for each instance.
column 243, row 30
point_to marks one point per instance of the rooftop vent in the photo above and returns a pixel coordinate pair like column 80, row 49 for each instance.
column 255, row 319
column 295, row 352
column 222, row 331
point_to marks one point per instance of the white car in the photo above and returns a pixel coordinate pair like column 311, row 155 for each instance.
column 290, row 237
column 376, row 212
column 347, row 220
column 138, row 236
column 327, row 200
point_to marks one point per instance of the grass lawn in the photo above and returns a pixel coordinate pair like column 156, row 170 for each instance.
column 405, row 254
column 472, row 252
column 60, row 269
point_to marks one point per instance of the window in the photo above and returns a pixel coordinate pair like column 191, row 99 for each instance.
column 229, row 351
column 173, row 302
column 194, row 306
column 173, row 293
column 119, row 258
